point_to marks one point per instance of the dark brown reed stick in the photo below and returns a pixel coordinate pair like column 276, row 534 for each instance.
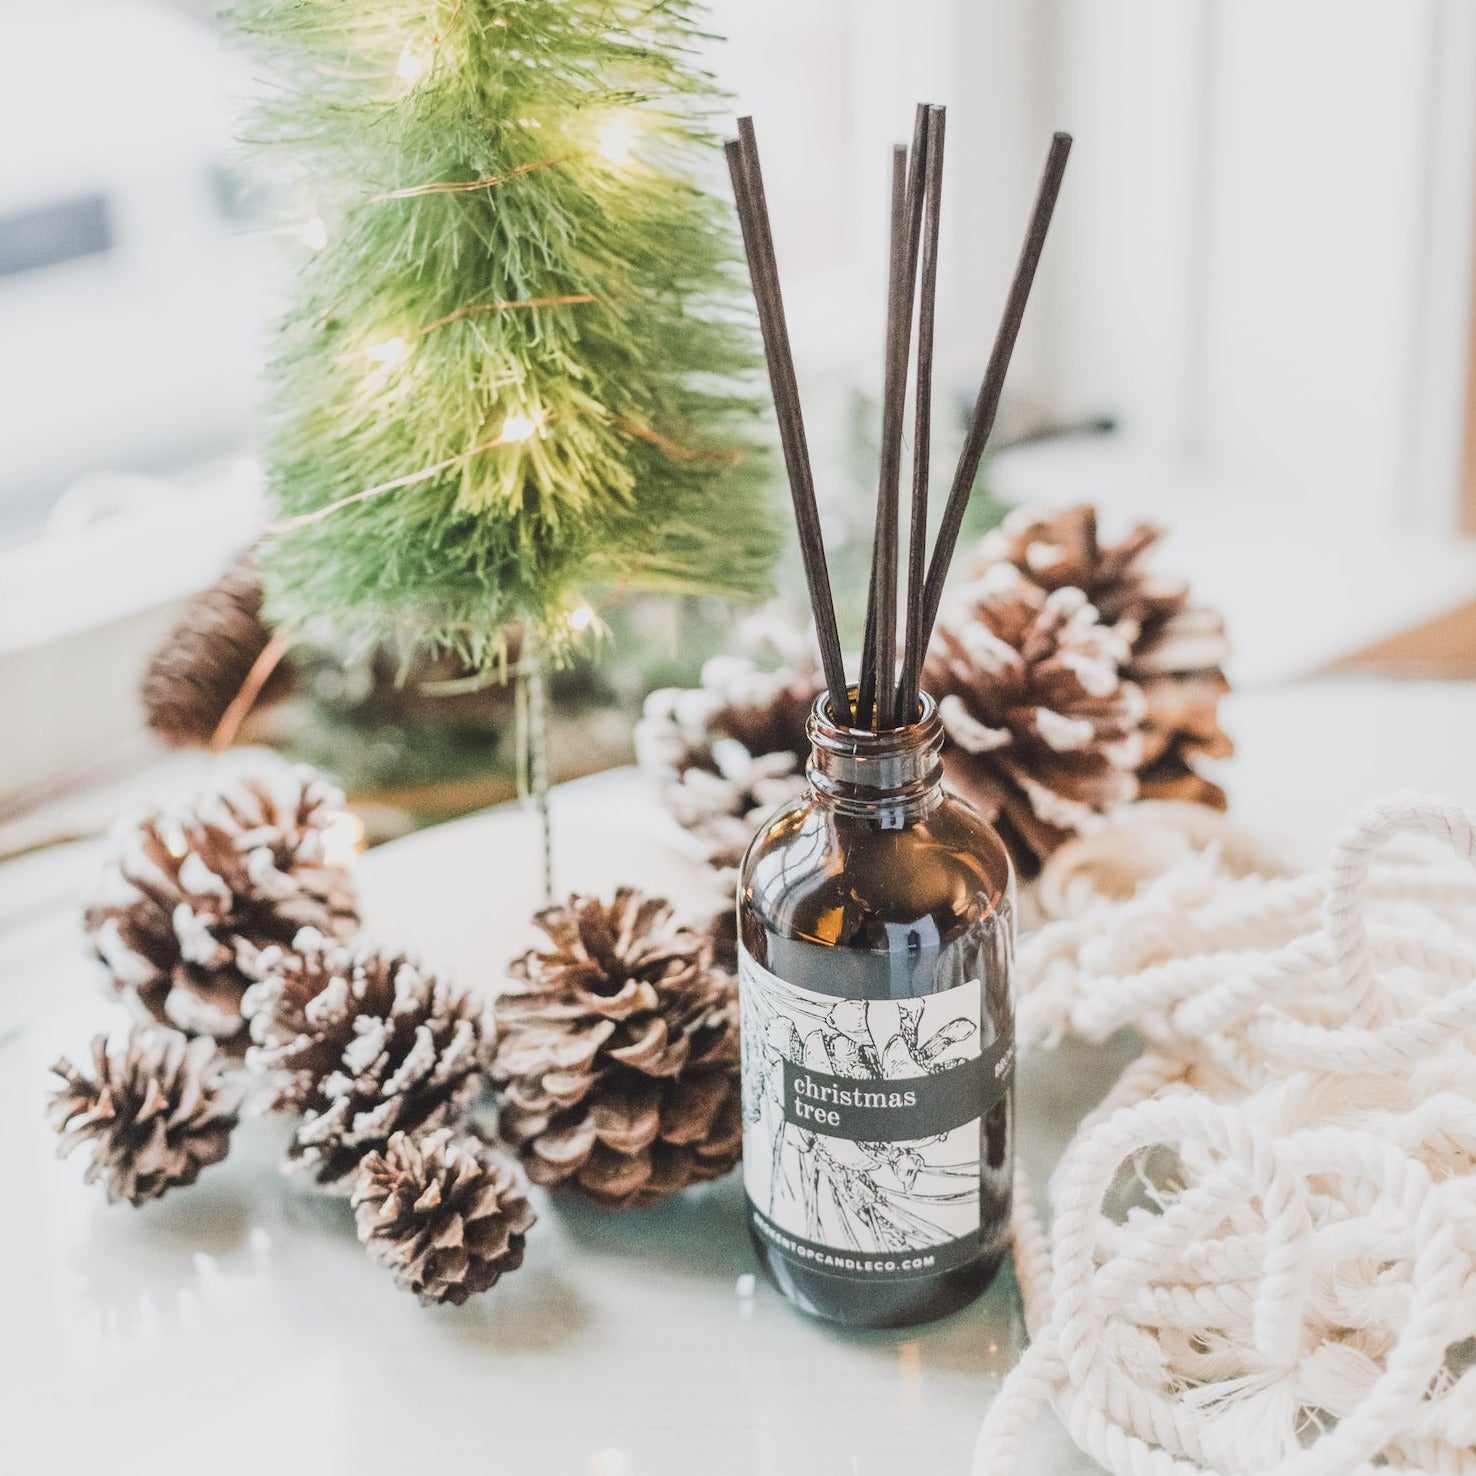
column 868, row 708
column 982, row 421
column 753, row 216
column 917, row 535
column 908, row 184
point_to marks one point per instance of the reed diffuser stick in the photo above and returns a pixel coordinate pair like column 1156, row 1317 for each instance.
column 922, row 432
column 908, row 187
column 885, row 700
column 753, row 215
column 982, row 421
column 868, row 699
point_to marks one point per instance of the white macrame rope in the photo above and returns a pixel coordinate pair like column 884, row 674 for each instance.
column 1293, row 1291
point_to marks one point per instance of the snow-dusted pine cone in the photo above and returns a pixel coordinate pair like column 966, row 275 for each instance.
column 1043, row 731
column 154, row 1112
column 729, row 752
column 191, row 895
column 618, row 1053
column 363, row 1044
column 1176, row 648
column 444, row 1213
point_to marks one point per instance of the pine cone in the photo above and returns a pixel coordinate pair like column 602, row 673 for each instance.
column 155, row 1112
column 618, row 1054
column 730, row 752
column 722, row 934
column 191, row 896
column 363, row 1044
column 205, row 661
column 444, row 1213
column 1177, row 649
column 1043, row 731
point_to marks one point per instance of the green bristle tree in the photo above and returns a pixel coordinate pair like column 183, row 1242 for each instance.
column 516, row 366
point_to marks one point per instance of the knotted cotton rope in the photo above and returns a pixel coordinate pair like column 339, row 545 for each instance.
column 1263, row 1250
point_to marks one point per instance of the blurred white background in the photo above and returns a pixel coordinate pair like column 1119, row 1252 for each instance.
column 1261, row 271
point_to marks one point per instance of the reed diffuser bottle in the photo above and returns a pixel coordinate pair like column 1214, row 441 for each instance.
column 876, row 912
column 876, row 936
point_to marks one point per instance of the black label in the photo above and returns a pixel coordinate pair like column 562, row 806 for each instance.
column 897, row 1109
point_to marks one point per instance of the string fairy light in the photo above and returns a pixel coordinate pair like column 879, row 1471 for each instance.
column 518, row 428
column 617, row 138
column 466, row 186
column 343, row 837
column 411, row 66
column 581, row 617
column 391, row 353
column 410, row 479
column 473, row 309
column 314, row 233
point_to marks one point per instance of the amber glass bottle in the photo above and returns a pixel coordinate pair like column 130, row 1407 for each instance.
column 875, row 918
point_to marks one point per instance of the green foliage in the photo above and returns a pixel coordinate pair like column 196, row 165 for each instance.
column 414, row 500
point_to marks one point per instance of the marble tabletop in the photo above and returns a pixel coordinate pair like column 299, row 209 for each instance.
column 237, row 1327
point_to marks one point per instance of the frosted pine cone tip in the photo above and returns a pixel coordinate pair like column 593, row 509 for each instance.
column 191, row 894
column 155, row 1112
column 728, row 752
column 362, row 1043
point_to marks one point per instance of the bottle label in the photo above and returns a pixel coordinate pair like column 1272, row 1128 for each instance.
column 863, row 1123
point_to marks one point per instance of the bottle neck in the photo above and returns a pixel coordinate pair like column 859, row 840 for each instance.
column 894, row 776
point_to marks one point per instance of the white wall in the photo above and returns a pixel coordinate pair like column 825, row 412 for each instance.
column 833, row 85
column 1262, row 259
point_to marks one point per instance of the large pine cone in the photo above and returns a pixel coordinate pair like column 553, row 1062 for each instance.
column 191, row 896
column 618, row 1054
column 1177, row 649
column 205, row 661
column 155, row 1112
column 1043, row 731
column 363, row 1044
column 445, row 1214
column 729, row 752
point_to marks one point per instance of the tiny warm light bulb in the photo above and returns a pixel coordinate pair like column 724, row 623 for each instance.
column 315, row 233
column 389, row 353
column 518, row 428
column 617, row 138
column 581, row 616
column 411, row 66
column 342, row 837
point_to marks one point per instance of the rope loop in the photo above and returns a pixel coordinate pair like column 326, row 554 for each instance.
column 1263, row 1244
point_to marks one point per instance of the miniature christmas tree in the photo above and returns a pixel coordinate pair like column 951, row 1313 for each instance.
column 514, row 370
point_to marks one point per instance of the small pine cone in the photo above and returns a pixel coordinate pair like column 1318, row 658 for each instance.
column 205, row 661
column 444, row 1214
column 1043, row 732
column 765, row 711
column 730, row 752
column 191, row 896
column 618, row 1054
column 1177, row 649
column 363, row 1044
column 155, row 1112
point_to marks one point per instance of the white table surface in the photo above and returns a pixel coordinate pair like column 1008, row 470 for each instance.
column 237, row 1328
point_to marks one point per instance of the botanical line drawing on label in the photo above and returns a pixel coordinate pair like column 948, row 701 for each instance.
column 862, row 1117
